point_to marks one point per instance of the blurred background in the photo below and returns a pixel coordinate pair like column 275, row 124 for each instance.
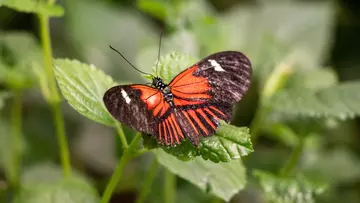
column 314, row 34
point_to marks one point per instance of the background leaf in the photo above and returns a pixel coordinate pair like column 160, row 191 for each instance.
column 20, row 55
column 83, row 86
column 34, row 6
column 341, row 101
column 3, row 96
column 126, row 30
column 288, row 190
column 222, row 179
column 44, row 183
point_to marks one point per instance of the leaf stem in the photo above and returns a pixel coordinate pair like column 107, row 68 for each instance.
column 53, row 96
column 122, row 136
column 115, row 178
column 145, row 189
column 16, row 110
column 293, row 160
column 169, row 187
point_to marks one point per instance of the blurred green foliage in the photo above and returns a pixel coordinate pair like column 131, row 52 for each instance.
column 304, row 112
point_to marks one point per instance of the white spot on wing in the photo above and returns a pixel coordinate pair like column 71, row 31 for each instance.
column 216, row 65
column 125, row 95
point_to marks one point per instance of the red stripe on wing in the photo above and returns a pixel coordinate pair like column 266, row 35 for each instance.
column 190, row 121
column 217, row 110
column 198, row 121
column 201, row 112
column 211, row 113
column 177, row 126
column 169, row 131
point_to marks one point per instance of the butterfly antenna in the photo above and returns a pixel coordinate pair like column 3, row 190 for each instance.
column 128, row 61
column 157, row 63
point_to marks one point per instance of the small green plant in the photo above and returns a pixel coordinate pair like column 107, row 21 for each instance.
column 299, row 100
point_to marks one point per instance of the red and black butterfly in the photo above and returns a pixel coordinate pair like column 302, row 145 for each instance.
column 190, row 106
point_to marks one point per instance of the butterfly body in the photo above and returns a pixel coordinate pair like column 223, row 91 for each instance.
column 190, row 106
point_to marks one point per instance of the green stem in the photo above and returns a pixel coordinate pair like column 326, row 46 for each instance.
column 257, row 122
column 145, row 189
column 169, row 187
column 63, row 144
column 293, row 160
column 122, row 136
column 141, row 152
column 217, row 200
column 115, row 178
column 53, row 96
column 16, row 110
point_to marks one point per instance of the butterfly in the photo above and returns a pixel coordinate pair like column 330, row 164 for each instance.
column 190, row 106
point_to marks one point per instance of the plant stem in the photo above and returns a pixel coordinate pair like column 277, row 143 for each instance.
column 16, row 110
column 53, row 96
column 141, row 152
column 257, row 122
column 121, row 134
column 115, row 178
column 169, row 187
column 63, row 145
column 148, row 182
column 293, row 160
column 217, row 200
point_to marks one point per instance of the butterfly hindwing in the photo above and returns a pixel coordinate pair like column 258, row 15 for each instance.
column 201, row 120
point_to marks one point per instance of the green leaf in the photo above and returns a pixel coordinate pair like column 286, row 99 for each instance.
column 172, row 64
column 83, row 86
column 222, row 179
column 127, row 31
column 334, row 166
column 315, row 79
column 228, row 143
column 287, row 190
column 156, row 8
column 304, row 28
column 34, row 6
column 44, row 183
column 7, row 147
column 340, row 101
column 20, row 54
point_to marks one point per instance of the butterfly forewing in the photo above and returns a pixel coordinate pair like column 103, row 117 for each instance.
column 224, row 76
column 126, row 104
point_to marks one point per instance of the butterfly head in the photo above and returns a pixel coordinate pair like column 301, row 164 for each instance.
column 158, row 83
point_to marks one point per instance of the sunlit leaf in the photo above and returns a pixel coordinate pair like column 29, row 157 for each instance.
column 221, row 179
column 34, row 6
column 45, row 184
column 288, row 190
column 84, row 86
